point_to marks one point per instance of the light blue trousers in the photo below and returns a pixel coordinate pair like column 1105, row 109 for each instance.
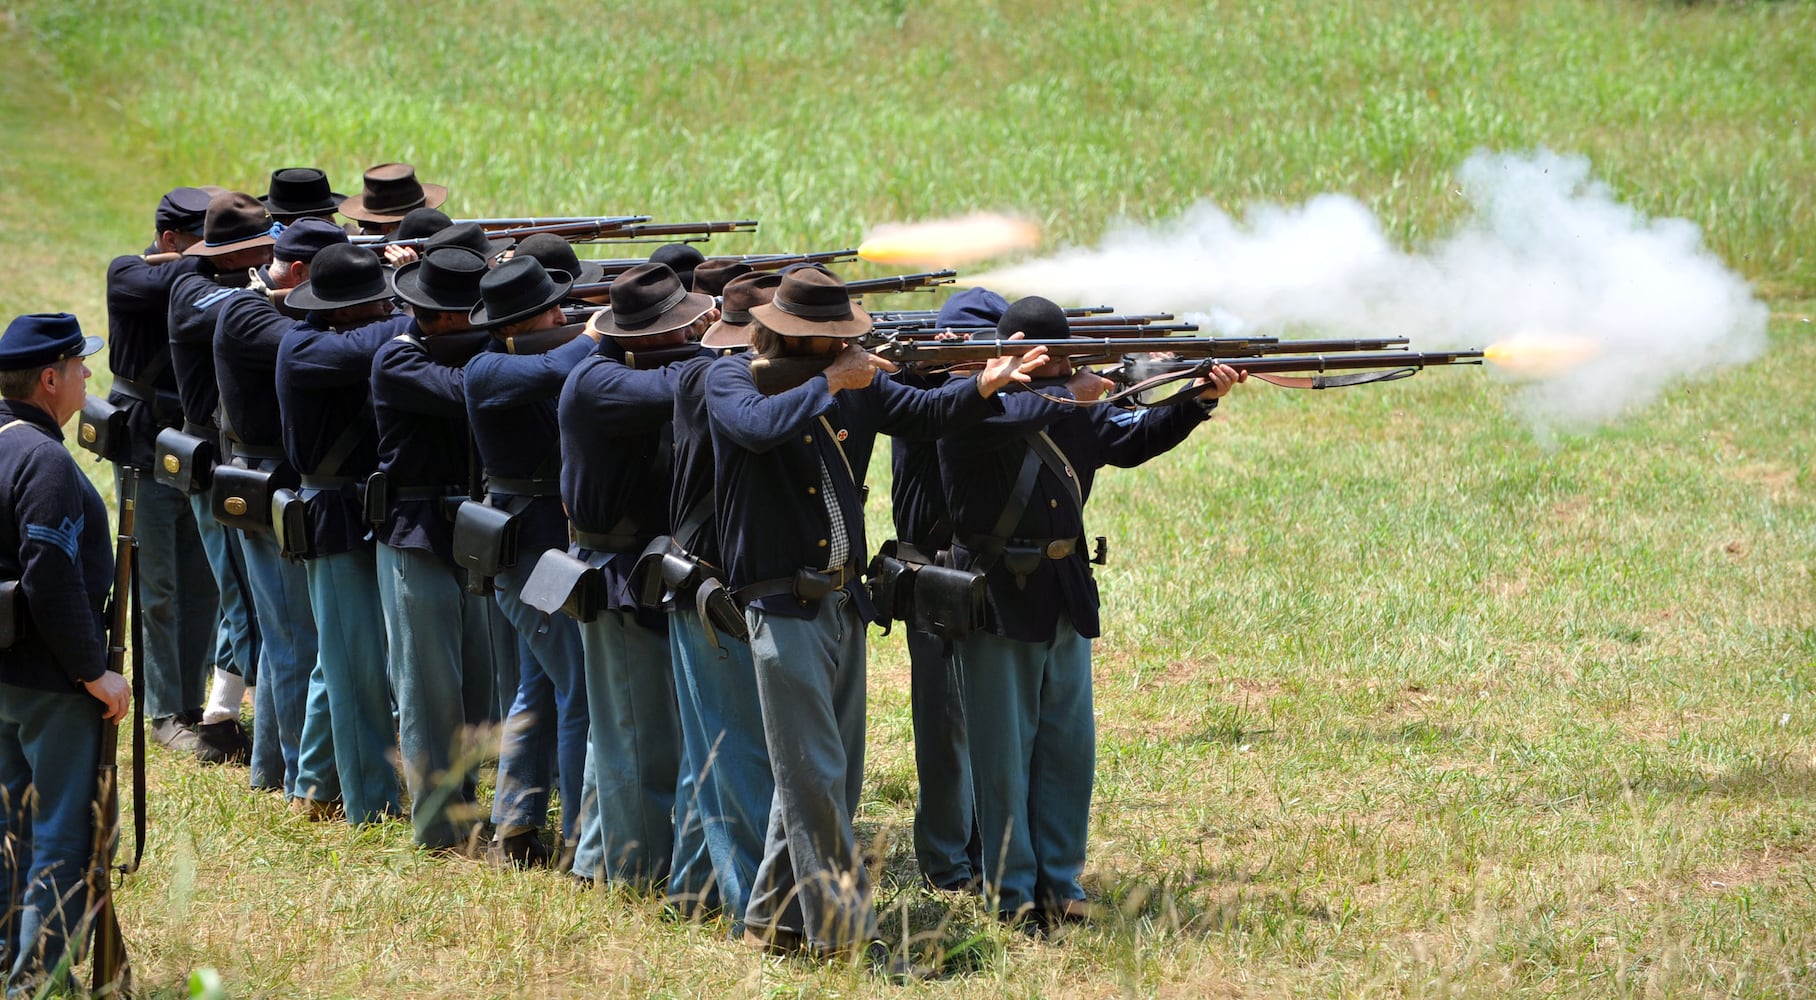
column 810, row 682
column 350, row 625
column 723, row 747
column 445, row 645
column 280, row 591
column 180, row 602
column 630, row 698
column 1033, row 755
column 946, row 842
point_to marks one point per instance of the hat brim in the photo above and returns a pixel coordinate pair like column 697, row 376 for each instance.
column 591, row 273
column 481, row 318
column 406, row 284
column 433, row 195
column 789, row 325
column 722, row 335
column 90, row 346
column 251, row 243
column 691, row 307
column 304, row 299
column 332, row 205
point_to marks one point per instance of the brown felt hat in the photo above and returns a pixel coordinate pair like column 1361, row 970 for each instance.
column 811, row 301
column 646, row 300
column 711, row 277
column 392, row 190
column 235, row 221
column 742, row 294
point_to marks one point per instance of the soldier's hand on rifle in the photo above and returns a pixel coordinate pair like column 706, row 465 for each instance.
column 1222, row 379
column 1086, row 385
column 998, row 373
column 397, row 256
column 855, row 368
column 112, row 691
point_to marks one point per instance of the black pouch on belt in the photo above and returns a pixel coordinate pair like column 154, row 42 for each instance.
column 102, row 429
column 289, row 523
column 485, row 542
column 948, row 602
column 242, row 497
column 562, row 581
column 184, row 462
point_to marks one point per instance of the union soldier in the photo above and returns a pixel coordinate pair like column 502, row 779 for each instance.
column 248, row 333
column 447, row 645
column 615, row 411
column 1027, row 678
column 946, row 841
column 511, row 405
column 715, row 680
column 236, row 237
column 55, row 689
column 792, row 529
column 324, row 371
column 177, row 589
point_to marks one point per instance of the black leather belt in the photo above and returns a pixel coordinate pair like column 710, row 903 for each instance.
column 202, row 431
column 1052, row 548
column 326, row 483
column 422, row 492
column 524, row 487
column 805, row 584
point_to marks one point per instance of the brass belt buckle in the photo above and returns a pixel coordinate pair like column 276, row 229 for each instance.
column 1059, row 548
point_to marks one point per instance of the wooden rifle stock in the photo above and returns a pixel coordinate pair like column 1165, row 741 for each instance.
column 111, row 971
column 542, row 341
column 162, row 258
column 774, row 375
column 456, row 349
column 901, row 283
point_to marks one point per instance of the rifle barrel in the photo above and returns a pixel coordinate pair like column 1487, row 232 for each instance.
column 900, row 282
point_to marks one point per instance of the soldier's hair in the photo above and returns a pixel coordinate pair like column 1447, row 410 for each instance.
column 764, row 342
column 20, row 383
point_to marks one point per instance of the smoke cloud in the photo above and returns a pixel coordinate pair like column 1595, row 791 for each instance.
column 1545, row 251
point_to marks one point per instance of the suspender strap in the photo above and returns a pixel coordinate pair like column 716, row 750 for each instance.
column 338, row 452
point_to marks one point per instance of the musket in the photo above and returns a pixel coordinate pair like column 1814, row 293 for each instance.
column 924, row 281
column 111, row 972
column 634, row 232
column 576, row 231
column 161, row 258
column 529, row 220
column 1140, row 377
column 928, row 317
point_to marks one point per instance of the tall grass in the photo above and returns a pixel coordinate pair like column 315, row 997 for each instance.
column 1393, row 700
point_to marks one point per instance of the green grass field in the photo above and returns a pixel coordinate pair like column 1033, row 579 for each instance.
column 1393, row 700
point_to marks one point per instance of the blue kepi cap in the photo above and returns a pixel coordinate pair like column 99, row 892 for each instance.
column 38, row 339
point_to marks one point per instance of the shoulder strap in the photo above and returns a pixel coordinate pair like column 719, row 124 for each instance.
column 12, row 425
column 343, row 446
column 833, row 436
column 1040, row 444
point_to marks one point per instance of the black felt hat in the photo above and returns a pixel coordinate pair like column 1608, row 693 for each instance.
column 446, row 278
column 1034, row 318
column 300, row 191
column 811, row 301
column 420, row 224
column 649, row 299
column 516, row 290
column 340, row 276
column 558, row 254
column 681, row 258
column 470, row 235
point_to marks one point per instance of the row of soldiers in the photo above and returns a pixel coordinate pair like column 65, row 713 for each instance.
column 616, row 538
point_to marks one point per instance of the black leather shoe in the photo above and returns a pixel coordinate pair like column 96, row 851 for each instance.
column 175, row 732
column 525, row 850
column 223, row 742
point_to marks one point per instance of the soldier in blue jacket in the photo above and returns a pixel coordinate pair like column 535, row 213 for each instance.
column 615, row 412
column 55, row 689
column 236, row 237
column 511, row 404
column 715, row 680
column 447, row 645
column 1027, row 679
column 248, row 333
column 177, row 589
column 791, row 525
column 324, row 391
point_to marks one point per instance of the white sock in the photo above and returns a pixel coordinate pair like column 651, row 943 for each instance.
column 224, row 700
